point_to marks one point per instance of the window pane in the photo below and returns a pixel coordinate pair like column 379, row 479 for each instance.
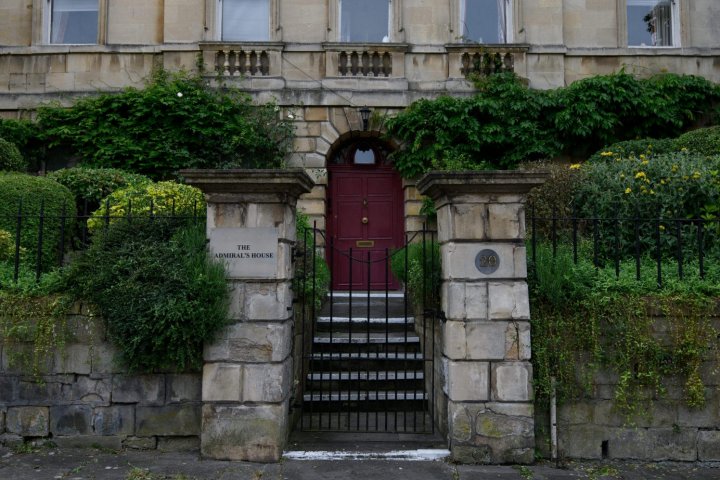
column 364, row 20
column 74, row 21
column 485, row 21
column 364, row 155
column 246, row 20
column 649, row 23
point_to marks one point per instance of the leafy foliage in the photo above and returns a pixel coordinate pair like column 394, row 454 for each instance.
column 10, row 157
column 26, row 137
column 704, row 141
column 418, row 266
column 634, row 148
column 506, row 122
column 36, row 193
column 175, row 122
column 669, row 187
column 312, row 275
column 145, row 199
column 585, row 320
column 155, row 286
column 91, row 185
column 497, row 128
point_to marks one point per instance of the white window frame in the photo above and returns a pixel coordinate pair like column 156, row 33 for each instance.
column 509, row 16
column 390, row 33
column 272, row 27
column 46, row 14
column 675, row 12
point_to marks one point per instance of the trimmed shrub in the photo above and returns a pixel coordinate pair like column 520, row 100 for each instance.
column 158, row 291
column 91, row 185
column 146, row 199
column 10, row 158
column 635, row 148
column 705, row 141
column 34, row 192
column 26, row 137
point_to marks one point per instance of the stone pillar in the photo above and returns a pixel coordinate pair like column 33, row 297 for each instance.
column 247, row 375
column 486, row 338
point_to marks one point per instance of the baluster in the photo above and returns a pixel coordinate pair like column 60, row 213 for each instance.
column 375, row 64
column 365, row 63
column 465, row 63
column 264, row 63
column 343, row 63
column 226, row 63
column 354, row 61
column 387, row 64
column 253, row 62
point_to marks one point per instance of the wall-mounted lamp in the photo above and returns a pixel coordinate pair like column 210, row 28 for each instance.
column 365, row 115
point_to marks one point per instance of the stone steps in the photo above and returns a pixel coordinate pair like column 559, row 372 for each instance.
column 365, row 358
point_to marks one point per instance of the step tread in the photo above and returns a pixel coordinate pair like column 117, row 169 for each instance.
column 372, row 375
column 394, row 356
column 363, row 338
column 364, row 319
column 372, row 395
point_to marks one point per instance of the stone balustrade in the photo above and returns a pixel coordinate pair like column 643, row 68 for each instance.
column 242, row 60
column 483, row 59
column 365, row 60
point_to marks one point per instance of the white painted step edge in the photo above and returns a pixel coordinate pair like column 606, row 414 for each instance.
column 420, row 455
column 361, row 319
column 361, row 294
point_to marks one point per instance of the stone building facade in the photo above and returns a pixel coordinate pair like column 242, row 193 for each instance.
column 324, row 59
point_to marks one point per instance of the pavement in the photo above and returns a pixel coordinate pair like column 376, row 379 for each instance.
column 52, row 463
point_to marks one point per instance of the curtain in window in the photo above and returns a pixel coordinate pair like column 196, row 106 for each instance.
column 485, row 21
column 246, row 20
column 650, row 23
column 364, row 20
column 74, row 21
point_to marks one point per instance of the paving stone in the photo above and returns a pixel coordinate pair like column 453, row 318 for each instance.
column 140, row 443
column 178, row 444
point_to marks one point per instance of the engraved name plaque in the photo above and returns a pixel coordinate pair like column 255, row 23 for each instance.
column 246, row 252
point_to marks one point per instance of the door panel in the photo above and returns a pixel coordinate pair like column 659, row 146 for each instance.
column 366, row 218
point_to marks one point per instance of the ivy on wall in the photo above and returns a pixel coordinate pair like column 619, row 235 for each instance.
column 505, row 122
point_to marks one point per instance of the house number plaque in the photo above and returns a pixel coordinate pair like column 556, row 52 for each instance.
column 487, row 261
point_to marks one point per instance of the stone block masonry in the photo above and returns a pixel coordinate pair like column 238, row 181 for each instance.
column 486, row 337
column 248, row 373
column 84, row 400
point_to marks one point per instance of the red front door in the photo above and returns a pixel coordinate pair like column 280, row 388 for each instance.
column 365, row 224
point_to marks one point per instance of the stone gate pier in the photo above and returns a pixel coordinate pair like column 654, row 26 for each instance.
column 486, row 338
column 247, row 376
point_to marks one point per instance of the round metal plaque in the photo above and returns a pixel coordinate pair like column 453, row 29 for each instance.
column 487, row 261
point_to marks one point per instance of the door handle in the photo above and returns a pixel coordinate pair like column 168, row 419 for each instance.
column 365, row 220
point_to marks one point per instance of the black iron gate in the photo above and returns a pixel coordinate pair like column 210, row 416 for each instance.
column 368, row 355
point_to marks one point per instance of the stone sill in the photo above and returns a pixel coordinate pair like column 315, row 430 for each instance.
column 488, row 47
column 359, row 47
column 643, row 52
column 272, row 46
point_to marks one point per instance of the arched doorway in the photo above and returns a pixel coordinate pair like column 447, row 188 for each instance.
column 364, row 212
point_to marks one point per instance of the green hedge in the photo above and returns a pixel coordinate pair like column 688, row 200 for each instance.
column 34, row 191
column 157, row 289
column 10, row 158
column 91, row 185
column 136, row 200
column 705, row 141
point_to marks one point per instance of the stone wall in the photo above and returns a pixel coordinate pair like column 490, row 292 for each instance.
column 84, row 399
column 595, row 429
